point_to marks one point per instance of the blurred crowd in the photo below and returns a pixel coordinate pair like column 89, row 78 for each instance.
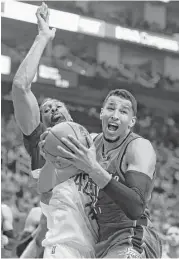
column 81, row 62
column 123, row 17
column 162, row 130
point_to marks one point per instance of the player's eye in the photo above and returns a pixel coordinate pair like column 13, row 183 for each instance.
column 47, row 110
column 110, row 108
column 123, row 112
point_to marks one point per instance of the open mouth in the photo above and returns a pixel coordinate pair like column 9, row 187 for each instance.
column 113, row 127
column 57, row 118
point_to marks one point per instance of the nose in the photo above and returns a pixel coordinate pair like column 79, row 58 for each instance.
column 115, row 115
column 54, row 108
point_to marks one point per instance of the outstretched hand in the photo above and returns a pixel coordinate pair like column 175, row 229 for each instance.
column 81, row 157
column 42, row 15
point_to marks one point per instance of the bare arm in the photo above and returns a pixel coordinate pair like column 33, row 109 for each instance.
column 26, row 108
column 131, row 196
column 141, row 157
column 25, row 104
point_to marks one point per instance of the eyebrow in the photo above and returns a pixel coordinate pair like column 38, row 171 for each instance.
column 111, row 103
column 126, row 107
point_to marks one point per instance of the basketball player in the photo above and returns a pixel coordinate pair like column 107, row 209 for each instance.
column 28, row 117
column 27, row 112
column 122, row 164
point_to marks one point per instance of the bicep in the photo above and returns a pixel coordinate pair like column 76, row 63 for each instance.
column 141, row 157
column 26, row 109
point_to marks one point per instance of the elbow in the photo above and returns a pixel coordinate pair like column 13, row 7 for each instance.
column 16, row 83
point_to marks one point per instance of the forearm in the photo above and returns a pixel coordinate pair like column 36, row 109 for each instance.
column 28, row 67
column 131, row 198
column 126, row 198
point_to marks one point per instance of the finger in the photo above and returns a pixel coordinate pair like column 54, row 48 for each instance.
column 47, row 16
column 41, row 143
column 43, row 135
column 43, row 8
column 45, row 12
column 64, row 153
column 38, row 15
column 70, row 145
column 77, row 143
column 89, row 141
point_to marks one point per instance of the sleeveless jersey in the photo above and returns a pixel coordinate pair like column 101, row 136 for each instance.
column 31, row 144
column 68, row 221
column 110, row 217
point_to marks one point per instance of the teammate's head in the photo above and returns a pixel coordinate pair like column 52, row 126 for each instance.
column 118, row 114
column 173, row 235
column 53, row 111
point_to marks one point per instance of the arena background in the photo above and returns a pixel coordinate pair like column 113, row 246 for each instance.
column 102, row 46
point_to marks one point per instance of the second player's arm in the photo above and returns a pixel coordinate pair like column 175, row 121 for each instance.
column 26, row 108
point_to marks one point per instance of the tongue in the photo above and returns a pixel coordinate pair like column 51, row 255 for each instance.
column 113, row 128
column 55, row 119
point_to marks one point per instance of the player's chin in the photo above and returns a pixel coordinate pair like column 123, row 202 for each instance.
column 111, row 137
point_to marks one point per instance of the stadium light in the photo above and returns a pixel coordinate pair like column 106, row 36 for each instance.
column 144, row 38
column 5, row 65
column 26, row 12
column 76, row 23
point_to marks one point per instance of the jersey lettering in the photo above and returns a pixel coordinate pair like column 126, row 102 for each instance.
column 88, row 187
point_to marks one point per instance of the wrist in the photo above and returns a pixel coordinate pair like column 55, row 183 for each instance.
column 100, row 176
column 44, row 37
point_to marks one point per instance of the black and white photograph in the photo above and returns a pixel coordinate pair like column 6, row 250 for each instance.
column 89, row 129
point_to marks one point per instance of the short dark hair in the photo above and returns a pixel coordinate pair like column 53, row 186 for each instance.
column 125, row 95
column 49, row 99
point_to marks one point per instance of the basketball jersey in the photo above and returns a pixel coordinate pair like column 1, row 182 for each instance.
column 31, row 144
column 110, row 217
column 67, row 218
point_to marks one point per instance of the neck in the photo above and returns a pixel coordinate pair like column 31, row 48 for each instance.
column 111, row 145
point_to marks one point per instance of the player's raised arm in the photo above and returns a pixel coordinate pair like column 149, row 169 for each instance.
column 25, row 104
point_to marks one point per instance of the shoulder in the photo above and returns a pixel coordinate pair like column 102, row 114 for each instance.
column 96, row 137
column 141, row 145
column 93, row 135
column 141, row 156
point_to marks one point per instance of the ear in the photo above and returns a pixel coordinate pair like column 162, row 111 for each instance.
column 101, row 113
column 133, row 121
